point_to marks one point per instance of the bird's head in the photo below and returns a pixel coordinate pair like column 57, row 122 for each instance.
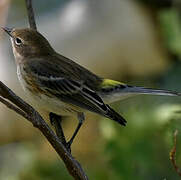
column 28, row 43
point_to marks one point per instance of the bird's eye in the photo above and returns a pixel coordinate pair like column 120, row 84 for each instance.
column 18, row 41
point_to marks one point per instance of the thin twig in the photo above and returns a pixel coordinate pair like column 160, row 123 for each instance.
column 31, row 16
column 14, row 108
column 173, row 154
column 34, row 117
column 9, row 94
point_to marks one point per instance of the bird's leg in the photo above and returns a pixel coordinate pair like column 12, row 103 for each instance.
column 56, row 122
column 81, row 119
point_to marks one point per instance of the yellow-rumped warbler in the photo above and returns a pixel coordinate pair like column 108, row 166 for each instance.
column 62, row 86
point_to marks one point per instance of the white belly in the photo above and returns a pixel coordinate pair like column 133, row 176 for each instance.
column 48, row 104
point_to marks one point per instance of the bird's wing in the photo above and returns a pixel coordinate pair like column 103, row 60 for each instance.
column 73, row 92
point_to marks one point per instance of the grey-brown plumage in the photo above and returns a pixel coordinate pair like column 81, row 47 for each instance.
column 71, row 85
column 62, row 86
column 51, row 74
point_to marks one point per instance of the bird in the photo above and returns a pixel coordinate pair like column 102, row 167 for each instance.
column 59, row 85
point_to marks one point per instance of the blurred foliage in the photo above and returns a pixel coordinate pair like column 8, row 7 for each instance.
column 142, row 152
column 138, row 151
column 43, row 171
column 171, row 29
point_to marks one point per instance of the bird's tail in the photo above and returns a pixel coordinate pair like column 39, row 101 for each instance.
column 112, row 91
column 152, row 91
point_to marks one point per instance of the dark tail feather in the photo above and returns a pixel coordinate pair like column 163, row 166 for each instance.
column 143, row 90
column 115, row 116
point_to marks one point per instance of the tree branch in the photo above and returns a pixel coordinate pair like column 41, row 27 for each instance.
column 31, row 16
column 16, row 104
column 28, row 112
column 14, row 108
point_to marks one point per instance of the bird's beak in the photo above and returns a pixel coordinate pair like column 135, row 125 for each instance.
column 7, row 30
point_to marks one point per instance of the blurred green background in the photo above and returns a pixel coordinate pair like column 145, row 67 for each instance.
column 135, row 41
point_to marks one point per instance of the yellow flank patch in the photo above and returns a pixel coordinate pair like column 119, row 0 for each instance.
column 110, row 83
